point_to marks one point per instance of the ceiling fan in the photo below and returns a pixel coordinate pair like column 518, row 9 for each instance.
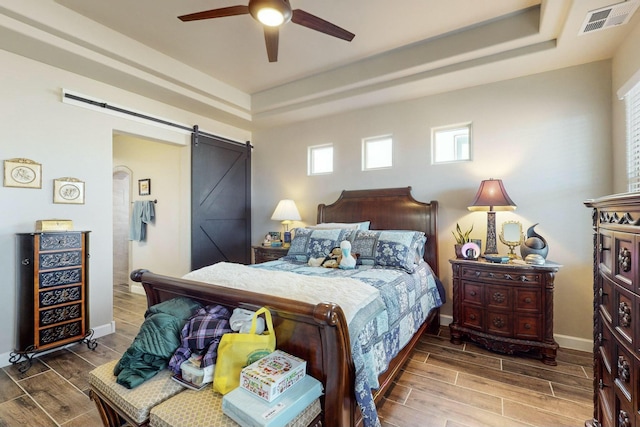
column 272, row 14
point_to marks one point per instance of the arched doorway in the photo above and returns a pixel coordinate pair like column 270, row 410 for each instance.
column 121, row 208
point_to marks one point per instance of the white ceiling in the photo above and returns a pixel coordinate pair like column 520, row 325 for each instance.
column 219, row 68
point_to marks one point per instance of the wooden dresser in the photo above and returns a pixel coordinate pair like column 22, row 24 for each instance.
column 52, row 291
column 505, row 307
column 616, row 310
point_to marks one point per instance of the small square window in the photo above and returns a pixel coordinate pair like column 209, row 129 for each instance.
column 377, row 153
column 451, row 143
column 320, row 159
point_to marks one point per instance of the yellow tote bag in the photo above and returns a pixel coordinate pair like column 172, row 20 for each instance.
column 237, row 350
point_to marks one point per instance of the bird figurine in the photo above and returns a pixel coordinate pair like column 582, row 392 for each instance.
column 348, row 261
column 533, row 244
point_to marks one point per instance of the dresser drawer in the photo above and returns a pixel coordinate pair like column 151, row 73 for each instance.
column 605, row 297
column 59, row 296
column 606, row 346
column 528, row 300
column 498, row 275
column 500, row 323
column 624, row 260
column 55, row 315
column 499, row 297
column 626, row 312
column 55, row 334
column 528, row 327
column 624, row 372
column 472, row 317
column 59, row 277
column 60, row 241
column 51, row 260
column 471, row 293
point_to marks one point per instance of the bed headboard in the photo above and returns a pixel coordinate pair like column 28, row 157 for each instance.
column 387, row 209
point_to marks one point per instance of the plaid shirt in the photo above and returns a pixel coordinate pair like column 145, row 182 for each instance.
column 201, row 335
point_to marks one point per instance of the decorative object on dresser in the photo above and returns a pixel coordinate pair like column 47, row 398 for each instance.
column 616, row 306
column 54, row 225
column 267, row 253
column 505, row 307
column 287, row 212
column 534, row 244
column 462, row 238
column 53, row 297
column 511, row 235
column 491, row 197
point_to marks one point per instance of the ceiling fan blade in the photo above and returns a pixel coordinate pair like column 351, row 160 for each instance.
column 308, row 20
column 271, row 36
column 216, row 13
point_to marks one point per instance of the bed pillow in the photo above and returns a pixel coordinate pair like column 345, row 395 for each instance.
column 389, row 248
column 308, row 243
column 364, row 225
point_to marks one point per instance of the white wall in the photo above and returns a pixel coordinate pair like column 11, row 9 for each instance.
column 72, row 141
column 546, row 136
column 167, row 166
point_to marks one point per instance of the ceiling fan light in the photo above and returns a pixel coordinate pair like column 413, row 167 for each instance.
column 270, row 17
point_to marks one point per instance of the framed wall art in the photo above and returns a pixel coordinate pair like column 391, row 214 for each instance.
column 68, row 190
column 22, row 173
column 144, row 187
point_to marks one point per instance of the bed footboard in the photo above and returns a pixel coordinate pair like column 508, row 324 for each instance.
column 316, row 333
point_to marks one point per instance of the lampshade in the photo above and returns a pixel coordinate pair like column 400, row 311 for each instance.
column 492, row 196
column 286, row 211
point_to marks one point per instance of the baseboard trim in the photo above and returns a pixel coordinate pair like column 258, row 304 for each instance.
column 136, row 288
column 564, row 341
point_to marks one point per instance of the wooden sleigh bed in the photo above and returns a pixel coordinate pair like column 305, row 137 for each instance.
column 318, row 333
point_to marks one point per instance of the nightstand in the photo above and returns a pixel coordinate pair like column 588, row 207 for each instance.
column 506, row 308
column 261, row 253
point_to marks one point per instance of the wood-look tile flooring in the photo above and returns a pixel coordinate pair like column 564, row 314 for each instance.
column 443, row 385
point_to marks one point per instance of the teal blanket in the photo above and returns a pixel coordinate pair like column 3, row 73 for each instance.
column 157, row 340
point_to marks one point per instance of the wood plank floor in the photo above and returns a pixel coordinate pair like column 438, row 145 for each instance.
column 442, row 385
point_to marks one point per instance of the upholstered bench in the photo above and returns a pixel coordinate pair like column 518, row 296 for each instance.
column 162, row 402
column 116, row 402
column 204, row 409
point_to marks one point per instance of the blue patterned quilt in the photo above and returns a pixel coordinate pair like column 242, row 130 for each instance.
column 408, row 299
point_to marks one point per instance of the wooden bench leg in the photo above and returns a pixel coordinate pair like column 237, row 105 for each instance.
column 110, row 418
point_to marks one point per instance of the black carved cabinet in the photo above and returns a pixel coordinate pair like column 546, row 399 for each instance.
column 52, row 290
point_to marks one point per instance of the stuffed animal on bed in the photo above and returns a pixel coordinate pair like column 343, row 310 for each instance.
column 347, row 261
column 336, row 258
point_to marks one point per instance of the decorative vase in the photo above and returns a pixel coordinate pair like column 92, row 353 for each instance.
column 533, row 244
column 458, row 249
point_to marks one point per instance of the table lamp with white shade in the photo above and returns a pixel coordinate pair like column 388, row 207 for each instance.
column 287, row 212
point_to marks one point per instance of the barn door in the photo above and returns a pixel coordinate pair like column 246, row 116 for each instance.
column 220, row 201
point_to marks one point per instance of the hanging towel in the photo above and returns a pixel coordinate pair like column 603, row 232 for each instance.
column 143, row 213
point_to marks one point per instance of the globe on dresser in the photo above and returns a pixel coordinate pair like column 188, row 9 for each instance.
column 533, row 244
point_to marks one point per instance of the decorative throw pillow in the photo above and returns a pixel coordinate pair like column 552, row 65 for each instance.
column 308, row 243
column 389, row 248
column 364, row 225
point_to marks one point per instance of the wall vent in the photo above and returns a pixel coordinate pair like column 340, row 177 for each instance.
column 607, row 17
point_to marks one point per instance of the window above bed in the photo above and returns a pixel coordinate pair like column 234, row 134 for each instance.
column 320, row 159
column 377, row 152
column 451, row 143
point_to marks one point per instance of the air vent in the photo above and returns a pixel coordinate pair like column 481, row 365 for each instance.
column 610, row 16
